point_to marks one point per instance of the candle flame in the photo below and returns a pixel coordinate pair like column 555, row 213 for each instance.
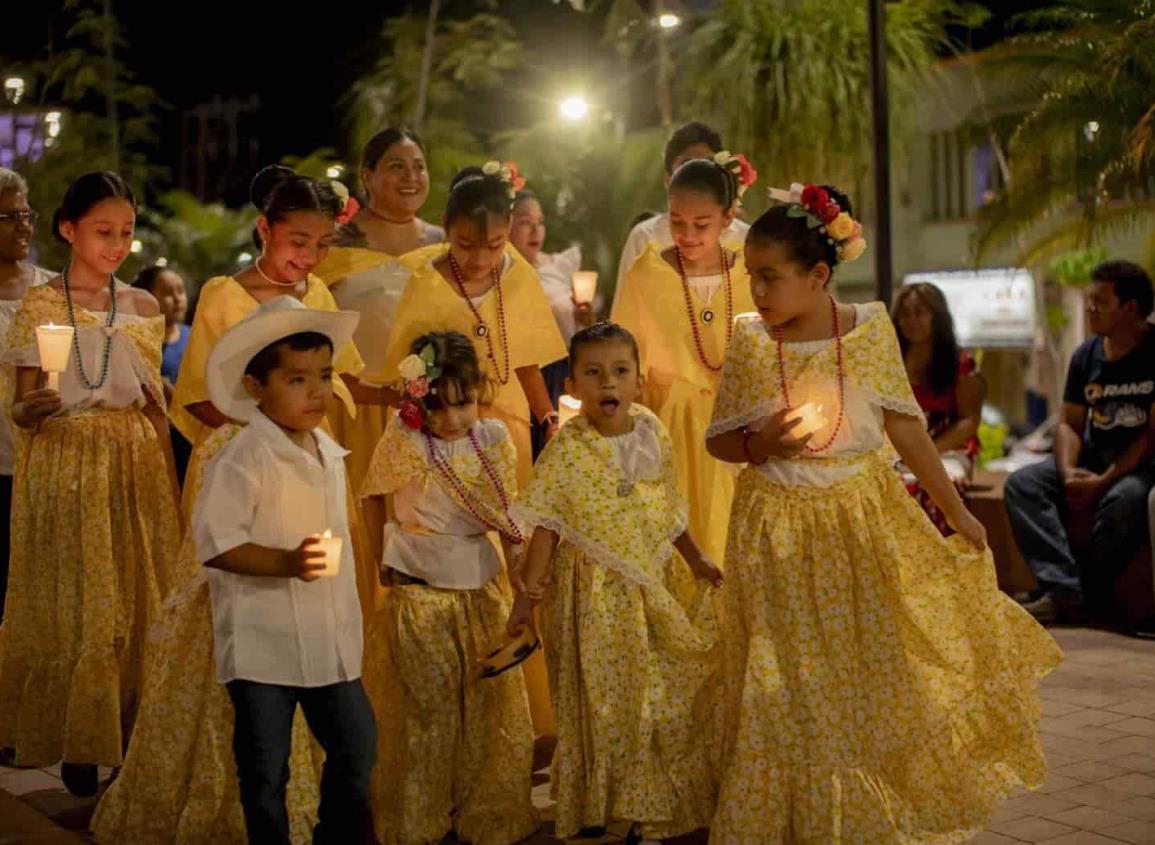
column 328, row 535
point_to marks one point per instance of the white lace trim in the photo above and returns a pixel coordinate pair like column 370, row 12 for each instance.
column 767, row 407
column 597, row 551
column 735, row 423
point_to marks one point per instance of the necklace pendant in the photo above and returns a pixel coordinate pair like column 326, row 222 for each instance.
column 707, row 316
column 482, row 330
column 625, row 488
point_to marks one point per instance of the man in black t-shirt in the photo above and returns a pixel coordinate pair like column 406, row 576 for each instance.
column 1102, row 464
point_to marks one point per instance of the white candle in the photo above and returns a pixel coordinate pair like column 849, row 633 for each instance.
column 810, row 420
column 55, row 345
column 585, row 286
column 331, row 546
column 567, row 408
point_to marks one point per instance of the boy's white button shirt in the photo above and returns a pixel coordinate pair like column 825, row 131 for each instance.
column 264, row 489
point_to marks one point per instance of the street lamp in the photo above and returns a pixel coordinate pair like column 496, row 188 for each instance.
column 668, row 20
column 574, row 108
column 335, row 171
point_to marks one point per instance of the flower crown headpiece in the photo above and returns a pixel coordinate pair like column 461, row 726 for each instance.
column 418, row 372
column 349, row 204
column 508, row 172
column 738, row 167
column 822, row 212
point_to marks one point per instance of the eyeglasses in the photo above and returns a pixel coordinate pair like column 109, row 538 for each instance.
column 29, row 218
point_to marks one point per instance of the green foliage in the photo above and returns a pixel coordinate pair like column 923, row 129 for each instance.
column 1082, row 150
column 1073, row 269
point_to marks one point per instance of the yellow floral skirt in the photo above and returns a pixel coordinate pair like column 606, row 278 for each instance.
column 453, row 752
column 634, row 681
column 95, row 537
column 179, row 781
column 879, row 687
column 706, row 483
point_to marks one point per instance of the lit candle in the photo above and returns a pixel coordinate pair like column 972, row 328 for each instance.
column 55, row 344
column 585, row 286
column 331, row 546
column 567, row 408
column 810, row 420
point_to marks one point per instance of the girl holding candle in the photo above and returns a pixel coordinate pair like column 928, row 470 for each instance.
column 570, row 291
column 95, row 526
column 879, row 687
column 478, row 285
column 365, row 275
column 186, row 723
column 454, row 752
column 631, row 672
column 680, row 303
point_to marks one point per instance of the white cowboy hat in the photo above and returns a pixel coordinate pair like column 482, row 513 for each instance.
column 269, row 322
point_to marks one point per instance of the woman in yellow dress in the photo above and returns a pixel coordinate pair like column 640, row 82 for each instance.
column 632, row 675
column 454, row 751
column 879, row 687
column 95, row 521
column 179, row 781
column 365, row 276
column 680, row 303
column 480, row 286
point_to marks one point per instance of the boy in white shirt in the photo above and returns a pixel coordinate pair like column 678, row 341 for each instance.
column 286, row 619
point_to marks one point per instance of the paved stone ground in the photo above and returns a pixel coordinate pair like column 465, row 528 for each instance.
column 1098, row 730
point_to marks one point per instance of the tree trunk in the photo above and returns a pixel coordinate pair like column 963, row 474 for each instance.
column 426, row 66
column 110, row 83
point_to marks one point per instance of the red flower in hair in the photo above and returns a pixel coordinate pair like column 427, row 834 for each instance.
column 747, row 175
column 418, row 388
column 814, row 197
column 349, row 211
column 515, row 177
column 828, row 212
column 411, row 414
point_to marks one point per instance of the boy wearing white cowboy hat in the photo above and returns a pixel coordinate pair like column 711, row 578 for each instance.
column 286, row 619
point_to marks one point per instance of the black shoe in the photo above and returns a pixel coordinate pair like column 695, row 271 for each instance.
column 8, row 757
column 1044, row 609
column 591, row 832
column 81, row 779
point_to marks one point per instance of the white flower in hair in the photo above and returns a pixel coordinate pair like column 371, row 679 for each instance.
column 340, row 190
column 411, row 367
column 491, row 168
column 722, row 157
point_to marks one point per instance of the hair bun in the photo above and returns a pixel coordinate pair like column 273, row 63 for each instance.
column 466, row 173
column 266, row 182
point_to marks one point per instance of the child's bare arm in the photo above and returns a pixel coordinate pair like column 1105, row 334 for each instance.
column 746, row 445
column 32, row 404
column 701, row 565
column 250, row 559
column 909, row 436
column 374, row 509
column 537, row 558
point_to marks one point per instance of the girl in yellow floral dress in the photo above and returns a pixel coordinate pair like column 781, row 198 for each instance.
column 95, row 525
column 455, row 752
column 680, row 303
column 479, row 285
column 879, row 688
column 629, row 670
column 179, row 782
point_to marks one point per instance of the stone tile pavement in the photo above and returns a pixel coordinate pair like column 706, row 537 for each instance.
column 1098, row 729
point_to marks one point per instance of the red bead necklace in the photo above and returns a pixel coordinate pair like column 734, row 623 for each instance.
column 512, row 532
column 482, row 330
column 836, row 323
column 707, row 313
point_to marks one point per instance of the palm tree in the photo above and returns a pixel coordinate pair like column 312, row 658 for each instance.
column 1081, row 123
column 790, row 79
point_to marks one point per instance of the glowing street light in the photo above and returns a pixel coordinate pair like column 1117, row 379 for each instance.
column 574, row 108
column 14, row 89
column 668, row 20
column 136, row 247
column 244, row 258
column 162, row 262
column 335, row 171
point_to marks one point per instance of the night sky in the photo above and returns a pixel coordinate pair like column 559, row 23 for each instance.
column 300, row 64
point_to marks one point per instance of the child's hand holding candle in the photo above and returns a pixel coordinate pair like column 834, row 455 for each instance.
column 810, row 420
column 55, row 346
column 331, row 546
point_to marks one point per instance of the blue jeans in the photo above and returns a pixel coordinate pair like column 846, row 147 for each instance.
column 1036, row 504
column 341, row 719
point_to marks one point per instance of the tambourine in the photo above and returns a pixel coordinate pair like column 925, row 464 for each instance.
column 512, row 653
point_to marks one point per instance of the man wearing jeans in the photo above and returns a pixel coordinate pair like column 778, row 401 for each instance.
column 1101, row 470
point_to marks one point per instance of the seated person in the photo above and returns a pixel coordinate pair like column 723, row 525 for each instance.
column 1101, row 470
column 947, row 384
